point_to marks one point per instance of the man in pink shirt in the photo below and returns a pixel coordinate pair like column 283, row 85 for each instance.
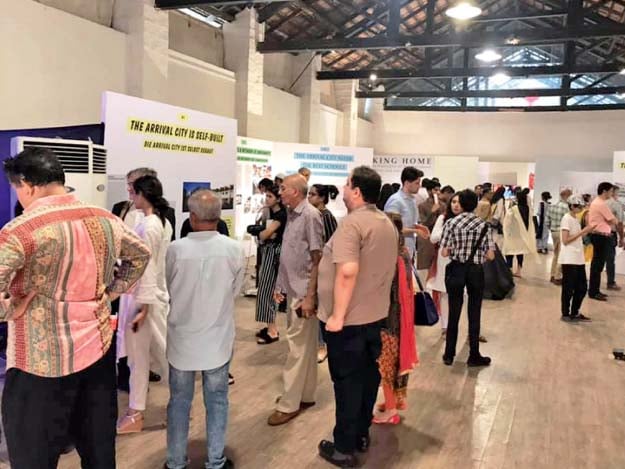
column 602, row 218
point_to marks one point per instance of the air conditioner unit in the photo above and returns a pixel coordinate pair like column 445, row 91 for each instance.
column 84, row 164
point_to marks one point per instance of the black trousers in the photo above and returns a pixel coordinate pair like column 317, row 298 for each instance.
column 602, row 245
column 352, row 359
column 519, row 260
column 458, row 277
column 610, row 267
column 574, row 287
column 39, row 414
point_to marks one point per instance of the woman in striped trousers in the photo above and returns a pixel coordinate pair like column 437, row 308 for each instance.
column 268, row 272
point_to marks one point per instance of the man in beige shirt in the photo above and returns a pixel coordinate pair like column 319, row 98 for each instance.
column 355, row 276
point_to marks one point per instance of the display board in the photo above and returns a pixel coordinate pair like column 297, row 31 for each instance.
column 391, row 166
column 254, row 162
column 188, row 149
column 329, row 165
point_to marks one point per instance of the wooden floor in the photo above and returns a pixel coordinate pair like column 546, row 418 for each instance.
column 553, row 398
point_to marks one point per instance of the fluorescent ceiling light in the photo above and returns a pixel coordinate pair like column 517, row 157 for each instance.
column 488, row 55
column 499, row 78
column 621, row 96
column 463, row 11
column 622, row 72
column 373, row 77
column 209, row 20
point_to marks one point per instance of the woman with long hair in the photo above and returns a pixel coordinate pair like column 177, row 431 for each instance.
column 271, row 236
column 519, row 236
column 142, row 315
column 385, row 193
column 399, row 347
column 319, row 196
column 436, row 280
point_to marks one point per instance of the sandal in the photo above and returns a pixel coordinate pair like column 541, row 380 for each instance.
column 130, row 423
column 392, row 420
column 266, row 339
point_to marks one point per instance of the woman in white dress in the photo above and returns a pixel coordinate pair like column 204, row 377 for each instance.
column 143, row 312
column 519, row 236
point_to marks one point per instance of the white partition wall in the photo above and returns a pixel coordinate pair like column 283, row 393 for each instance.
column 391, row 166
column 189, row 149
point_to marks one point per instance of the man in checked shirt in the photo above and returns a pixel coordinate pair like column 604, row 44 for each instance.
column 468, row 242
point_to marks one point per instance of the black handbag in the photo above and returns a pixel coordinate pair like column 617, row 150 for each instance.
column 498, row 279
column 425, row 312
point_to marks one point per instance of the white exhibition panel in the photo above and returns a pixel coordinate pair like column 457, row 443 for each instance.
column 188, row 149
column 254, row 162
column 582, row 182
column 329, row 165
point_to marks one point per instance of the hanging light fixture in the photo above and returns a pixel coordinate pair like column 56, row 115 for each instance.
column 373, row 77
column 499, row 78
column 463, row 11
column 488, row 55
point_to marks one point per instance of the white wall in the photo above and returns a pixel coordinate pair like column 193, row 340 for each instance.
column 497, row 172
column 366, row 136
column 55, row 66
column 198, row 85
column 191, row 37
column 457, row 171
column 501, row 136
column 281, row 117
column 331, row 126
column 278, row 71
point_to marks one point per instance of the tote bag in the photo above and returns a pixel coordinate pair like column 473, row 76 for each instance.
column 425, row 313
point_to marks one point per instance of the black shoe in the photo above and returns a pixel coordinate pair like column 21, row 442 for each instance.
column 479, row 360
column 364, row 442
column 566, row 318
column 262, row 332
column 448, row 360
column 328, row 452
column 599, row 297
column 228, row 464
column 154, row 377
column 614, row 287
column 580, row 317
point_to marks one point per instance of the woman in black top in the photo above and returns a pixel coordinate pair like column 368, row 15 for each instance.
column 268, row 272
column 319, row 196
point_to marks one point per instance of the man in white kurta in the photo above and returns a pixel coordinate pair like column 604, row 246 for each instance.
column 205, row 273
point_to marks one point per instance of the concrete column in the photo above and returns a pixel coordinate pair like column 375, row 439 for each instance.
column 147, row 58
column 307, row 88
column 346, row 101
column 240, row 39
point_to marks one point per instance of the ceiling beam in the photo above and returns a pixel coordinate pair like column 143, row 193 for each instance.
column 467, row 72
column 518, row 16
column 590, row 107
column 518, row 93
column 268, row 11
column 463, row 39
column 175, row 4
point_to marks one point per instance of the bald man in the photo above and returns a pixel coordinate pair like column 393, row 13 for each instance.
column 305, row 172
column 302, row 243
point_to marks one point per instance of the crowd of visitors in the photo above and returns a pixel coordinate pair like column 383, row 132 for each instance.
column 347, row 290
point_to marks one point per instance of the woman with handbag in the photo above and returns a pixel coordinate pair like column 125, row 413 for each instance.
column 271, row 235
column 399, row 348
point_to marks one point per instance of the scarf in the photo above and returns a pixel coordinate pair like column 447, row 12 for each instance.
column 408, row 358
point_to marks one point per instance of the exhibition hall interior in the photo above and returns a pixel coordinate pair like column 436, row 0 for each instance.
column 278, row 234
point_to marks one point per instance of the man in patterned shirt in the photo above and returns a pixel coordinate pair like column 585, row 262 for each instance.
column 554, row 218
column 468, row 242
column 58, row 275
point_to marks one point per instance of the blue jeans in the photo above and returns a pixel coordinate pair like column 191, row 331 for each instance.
column 181, row 387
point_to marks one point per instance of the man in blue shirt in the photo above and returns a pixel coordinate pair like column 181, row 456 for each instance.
column 403, row 202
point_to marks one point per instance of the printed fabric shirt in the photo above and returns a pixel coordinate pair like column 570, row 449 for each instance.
column 555, row 213
column 302, row 236
column 72, row 255
column 461, row 233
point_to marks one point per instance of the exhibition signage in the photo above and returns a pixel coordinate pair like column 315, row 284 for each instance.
column 253, row 164
column 328, row 165
column 189, row 150
column 391, row 166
